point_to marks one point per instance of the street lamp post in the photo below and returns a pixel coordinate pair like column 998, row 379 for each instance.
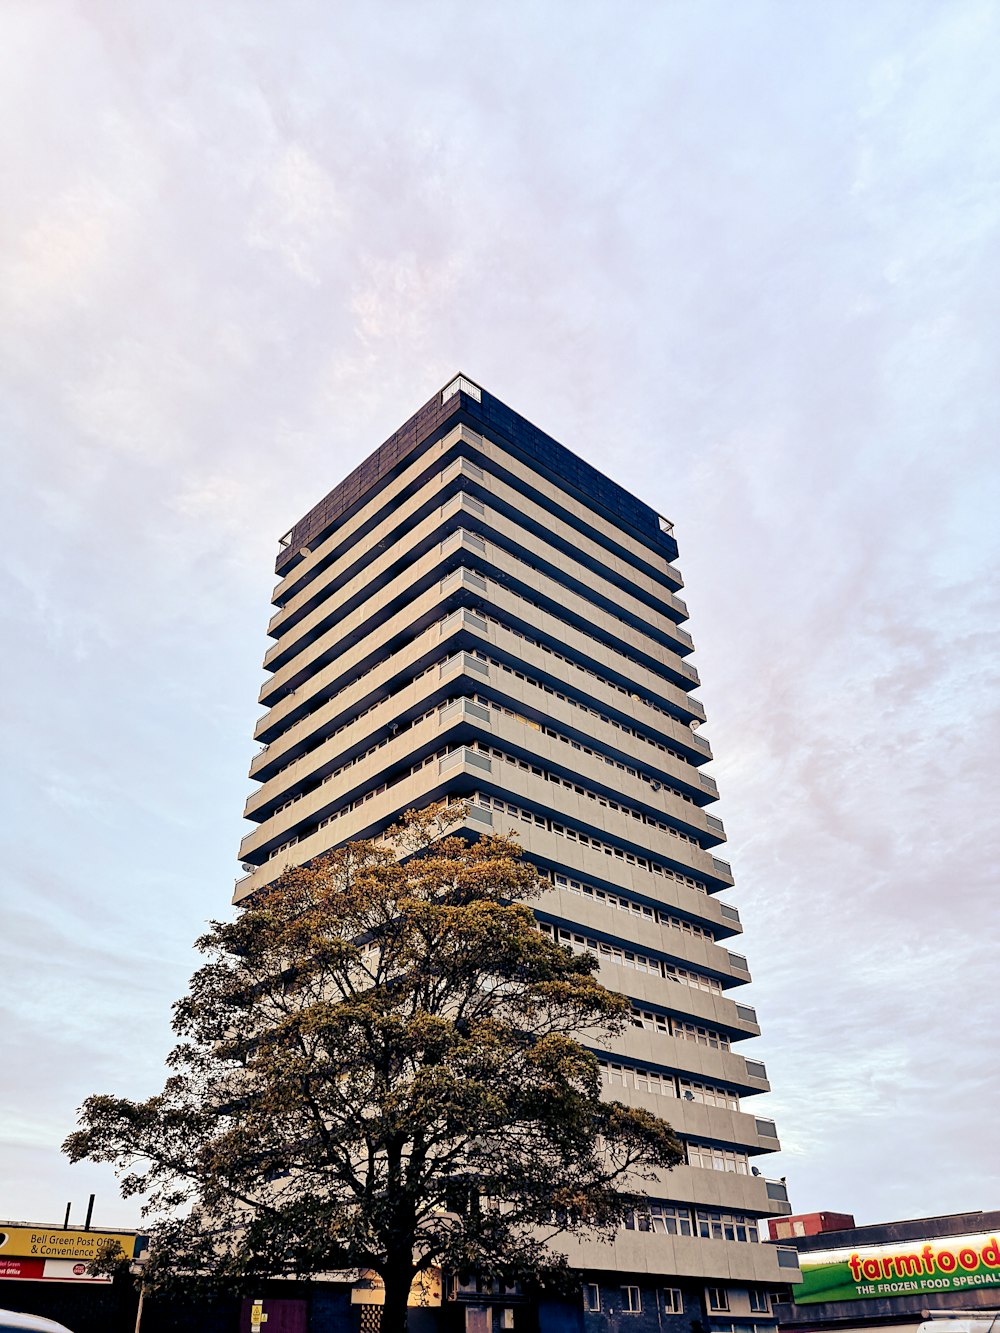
column 137, row 1268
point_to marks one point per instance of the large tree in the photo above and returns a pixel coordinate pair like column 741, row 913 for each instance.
column 378, row 1068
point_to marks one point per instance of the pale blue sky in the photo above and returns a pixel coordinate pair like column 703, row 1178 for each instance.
column 741, row 256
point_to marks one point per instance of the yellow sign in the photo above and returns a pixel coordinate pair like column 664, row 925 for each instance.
column 370, row 1289
column 53, row 1243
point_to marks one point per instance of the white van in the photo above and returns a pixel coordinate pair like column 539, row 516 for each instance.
column 12, row 1322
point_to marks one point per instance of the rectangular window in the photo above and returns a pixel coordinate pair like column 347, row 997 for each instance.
column 726, row 1226
column 760, row 1302
column 631, row 1301
column 662, row 1217
column 673, row 1302
column 592, row 1297
column 717, row 1298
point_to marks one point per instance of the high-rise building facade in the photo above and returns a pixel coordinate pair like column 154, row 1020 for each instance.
column 477, row 613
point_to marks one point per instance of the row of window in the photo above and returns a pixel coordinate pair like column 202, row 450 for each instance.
column 704, row 1223
column 606, row 801
column 375, row 516
column 403, row 725
column 623, row 904
column 346, row 809
column 669, row 1300
column 467, row 499
column 675, row 1027
column 710, row 1158
column 667, row 1085
column 561, row 657
column 630, row 626
column 586, row 840
column 656, row 783
column 495, row 803
column 323, row 701
column 586, row 708
column 627, row 958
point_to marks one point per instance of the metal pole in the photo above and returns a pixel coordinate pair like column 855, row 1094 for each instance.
column 66, row 1218
column 90, row 1213
column 138, row 1313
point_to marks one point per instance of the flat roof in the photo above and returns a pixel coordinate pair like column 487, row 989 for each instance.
column 478, row 408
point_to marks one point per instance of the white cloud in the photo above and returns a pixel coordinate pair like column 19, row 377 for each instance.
column 743, row 262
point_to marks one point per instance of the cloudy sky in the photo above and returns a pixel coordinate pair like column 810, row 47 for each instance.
column 742, row 256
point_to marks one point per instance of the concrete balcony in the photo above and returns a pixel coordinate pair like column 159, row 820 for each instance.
column 680, row 1000
column 581, row 518
column 388, row 528
column 387, row 763
column 644, row 1252
column 534, row 661
column 419, row 580
column 706, row 1124
column 367, row 819
column 412, row 585
column 398, row 502
column 592, row 866
column 612, row 827
column 398, row 497
column 665, row 652
column 395, row 716
column 525, row 558
column 288, row 701
column 592, row 654
column 581, row 729
column 550, row 531
column 375, row 580
column 563, row 907
column 607, row 781
column 660, row 1050
column 727, row 1191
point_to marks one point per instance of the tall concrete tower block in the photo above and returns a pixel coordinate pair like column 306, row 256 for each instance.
column 477, row 613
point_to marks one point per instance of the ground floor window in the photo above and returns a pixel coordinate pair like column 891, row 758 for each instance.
column 673, row 1302
column 591, row 1297
column 631, row 1300
column 717, row 1298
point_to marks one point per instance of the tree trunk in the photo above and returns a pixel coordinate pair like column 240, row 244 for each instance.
column 398, row 1278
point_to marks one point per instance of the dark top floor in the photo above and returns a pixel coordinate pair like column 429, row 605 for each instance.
column 505, row 427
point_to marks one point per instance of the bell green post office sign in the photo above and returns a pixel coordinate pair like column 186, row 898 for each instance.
column 904, row 1268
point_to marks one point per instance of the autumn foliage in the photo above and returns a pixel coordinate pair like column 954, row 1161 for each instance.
column 379, row 1067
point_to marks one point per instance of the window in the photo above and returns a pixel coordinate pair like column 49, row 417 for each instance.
column 592, row 1297
column 631, row 1301
column 726, row 1226
column 673, row 1302
column 647, row 1080
column 718, row 1159
column 662, row 1217
column 717, row 1298
column 703, row 1036
column 760, row 1302
column 708, row 1093
column 642, row 1018
column 665, row 1217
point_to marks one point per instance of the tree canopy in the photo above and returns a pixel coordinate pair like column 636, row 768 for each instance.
column 378, row 1067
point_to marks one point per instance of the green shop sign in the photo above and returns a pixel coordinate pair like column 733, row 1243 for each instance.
column 907, row 1268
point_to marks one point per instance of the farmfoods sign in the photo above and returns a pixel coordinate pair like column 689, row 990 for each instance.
column 906, row 1268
